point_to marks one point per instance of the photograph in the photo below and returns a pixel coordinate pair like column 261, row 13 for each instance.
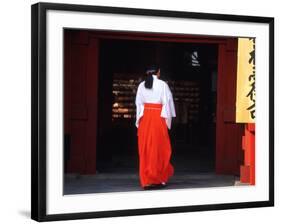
column 145, row 111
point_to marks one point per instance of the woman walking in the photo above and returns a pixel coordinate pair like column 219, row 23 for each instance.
column 154, row 111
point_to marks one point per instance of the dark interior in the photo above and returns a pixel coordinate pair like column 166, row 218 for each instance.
column 189, row 69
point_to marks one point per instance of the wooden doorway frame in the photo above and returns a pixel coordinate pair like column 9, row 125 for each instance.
column 229, row 154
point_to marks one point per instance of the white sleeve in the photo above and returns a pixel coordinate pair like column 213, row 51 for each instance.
column 139, row 106
column 168, row 109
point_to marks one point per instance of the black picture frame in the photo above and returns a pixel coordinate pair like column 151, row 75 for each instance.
column 39, row 122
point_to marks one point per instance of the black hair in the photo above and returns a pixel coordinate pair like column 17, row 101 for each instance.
column 148, row 81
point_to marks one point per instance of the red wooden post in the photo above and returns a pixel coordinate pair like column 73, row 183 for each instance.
column 80, row 100
column 228, row 132
column 92, row 105
column 247, row 170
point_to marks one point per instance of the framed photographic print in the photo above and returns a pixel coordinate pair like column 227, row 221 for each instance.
column 141, row 111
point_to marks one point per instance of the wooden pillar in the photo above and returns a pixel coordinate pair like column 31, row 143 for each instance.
column 247, row 170
column 228, row 132
column 80, row 101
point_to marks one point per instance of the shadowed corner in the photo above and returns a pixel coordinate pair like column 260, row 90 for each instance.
column 25, row 213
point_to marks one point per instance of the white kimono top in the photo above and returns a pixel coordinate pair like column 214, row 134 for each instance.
column 159, row 93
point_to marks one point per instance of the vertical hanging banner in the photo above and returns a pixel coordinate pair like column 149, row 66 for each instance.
column 246, row 91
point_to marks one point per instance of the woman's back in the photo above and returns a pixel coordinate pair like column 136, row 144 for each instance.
column 159, row 94
column 153, row 95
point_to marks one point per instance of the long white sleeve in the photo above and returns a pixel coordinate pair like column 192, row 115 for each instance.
column 139, row 106
column 168, row 109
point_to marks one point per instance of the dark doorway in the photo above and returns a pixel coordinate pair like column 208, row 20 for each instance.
column 190, row 70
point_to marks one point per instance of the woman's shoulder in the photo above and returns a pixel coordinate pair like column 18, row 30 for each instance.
column 141, row 85
column 163, row 83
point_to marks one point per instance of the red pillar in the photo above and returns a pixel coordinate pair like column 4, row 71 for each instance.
column 80, row 100
column 247, row 171
column 228, row 132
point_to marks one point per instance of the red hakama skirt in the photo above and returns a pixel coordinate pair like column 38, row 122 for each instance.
column 154, row 147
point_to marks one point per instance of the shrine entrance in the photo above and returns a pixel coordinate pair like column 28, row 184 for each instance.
column 102, row 71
